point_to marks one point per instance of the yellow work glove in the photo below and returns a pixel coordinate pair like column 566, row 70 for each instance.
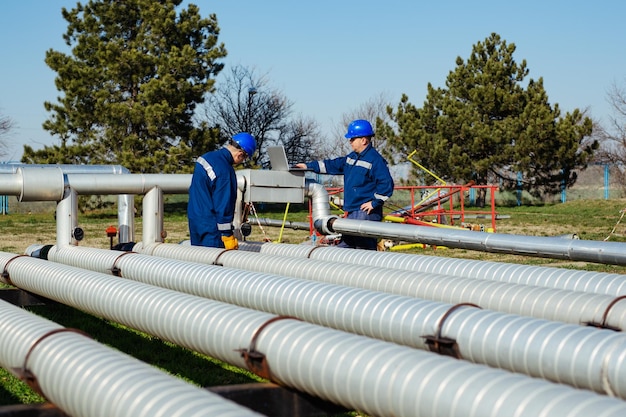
column 230, row 242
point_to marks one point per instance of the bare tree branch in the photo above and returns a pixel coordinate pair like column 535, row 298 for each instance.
column 245, row 102
column 6, row 124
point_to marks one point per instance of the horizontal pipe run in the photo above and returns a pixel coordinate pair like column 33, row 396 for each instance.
column 111, row 184
column 515, row 346
column 12, row 167
column 543, row 303
column 378, row 378
column 546, row 247
column 264, row 221
column 541, row 276
column 125, row 202
column 75, row 373
column 49, row 183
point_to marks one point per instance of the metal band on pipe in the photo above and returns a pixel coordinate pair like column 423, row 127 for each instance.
column 25, row 374
column 255, row 360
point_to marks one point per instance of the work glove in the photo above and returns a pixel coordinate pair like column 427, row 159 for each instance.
column 230, row 242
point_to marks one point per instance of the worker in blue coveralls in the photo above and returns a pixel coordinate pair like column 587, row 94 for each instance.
column 213, row 193
column 367, row 181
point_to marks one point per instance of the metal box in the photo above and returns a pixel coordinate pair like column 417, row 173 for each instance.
column 269, row 186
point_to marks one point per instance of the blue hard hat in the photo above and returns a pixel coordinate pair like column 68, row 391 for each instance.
column 359, row 128
column 246, row 142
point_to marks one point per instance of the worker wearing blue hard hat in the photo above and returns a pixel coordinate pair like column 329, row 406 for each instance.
column 367, row 180
column 213, row 193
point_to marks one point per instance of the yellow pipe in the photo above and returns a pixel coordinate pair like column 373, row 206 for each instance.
column 398, row 219
column 394, row 219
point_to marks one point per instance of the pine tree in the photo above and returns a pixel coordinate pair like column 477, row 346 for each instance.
column 485, row 125
column 137, row 70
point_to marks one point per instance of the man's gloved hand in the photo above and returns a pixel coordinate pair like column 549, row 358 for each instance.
column 230, row 242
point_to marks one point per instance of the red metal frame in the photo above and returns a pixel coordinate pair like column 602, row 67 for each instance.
column 419, row 214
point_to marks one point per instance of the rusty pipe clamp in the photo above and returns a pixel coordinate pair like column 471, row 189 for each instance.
column 603, row 324
column 444, row 345
column 255, row 360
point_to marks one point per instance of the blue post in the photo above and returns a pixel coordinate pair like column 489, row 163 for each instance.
column 519, row 188
column 563, row 194
column 606, row 181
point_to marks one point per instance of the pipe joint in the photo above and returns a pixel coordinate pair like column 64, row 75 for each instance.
column 324, row 225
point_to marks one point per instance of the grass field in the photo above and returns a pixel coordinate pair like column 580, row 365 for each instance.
column 589, row 219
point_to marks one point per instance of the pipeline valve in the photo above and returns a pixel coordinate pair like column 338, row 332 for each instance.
column 245, row 229
column 78, row 233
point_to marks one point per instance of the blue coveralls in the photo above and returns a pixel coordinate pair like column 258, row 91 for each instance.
column 212, row 198
column 366, row 178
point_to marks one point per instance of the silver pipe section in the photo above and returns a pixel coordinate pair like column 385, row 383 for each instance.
column 541, row 276
column 12, row 167
column 515, row 345
column 129, row 184
column 51, row 184
column 152, row 227
column 547, row 247
column 542, row 303
column 320, row 208
column 48, row 183
column 125, row 203
column 264, row 221
column 151, row 185
column 75, row 373
column 376, row 377
column 67, row 218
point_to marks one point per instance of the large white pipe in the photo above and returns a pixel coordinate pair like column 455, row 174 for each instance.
column 375, row 377
column 542, row 276
column 539, row 302
column 86, row 379
column 551, row 277
column 519, row 344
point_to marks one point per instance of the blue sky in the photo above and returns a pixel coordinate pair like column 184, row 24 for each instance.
column 329, row 57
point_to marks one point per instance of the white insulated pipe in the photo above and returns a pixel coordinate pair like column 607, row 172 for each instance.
column 376, row 377
column 535, row 347
column 541, row 276
column 86, row 379
column 543, row 303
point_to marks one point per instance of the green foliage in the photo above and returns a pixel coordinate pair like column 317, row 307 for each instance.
column 131, row 85
column 485, row 126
